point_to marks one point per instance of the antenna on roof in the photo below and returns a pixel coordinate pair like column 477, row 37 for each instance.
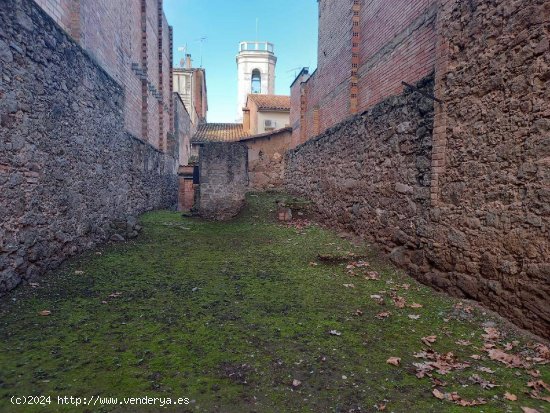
column 295, row 69
column 201, row 40
column 182, row 49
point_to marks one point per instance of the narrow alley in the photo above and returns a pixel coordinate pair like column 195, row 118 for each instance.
column 256, row 315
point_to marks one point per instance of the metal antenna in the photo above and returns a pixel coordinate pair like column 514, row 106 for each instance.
column 182, row 49
column 201, row 40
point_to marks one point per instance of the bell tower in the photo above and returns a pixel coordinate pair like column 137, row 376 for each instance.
column 256, row 71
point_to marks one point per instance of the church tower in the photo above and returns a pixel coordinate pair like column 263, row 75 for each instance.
column 256, row 71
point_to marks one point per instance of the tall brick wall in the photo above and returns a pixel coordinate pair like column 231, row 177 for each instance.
column 68, row 167
column 458, row 192
column 395, row 41
column 112, row 32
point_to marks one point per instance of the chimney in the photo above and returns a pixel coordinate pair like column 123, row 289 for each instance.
column 188, row 61
column 246, row 120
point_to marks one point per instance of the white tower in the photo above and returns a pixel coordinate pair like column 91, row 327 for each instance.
column 256, row 70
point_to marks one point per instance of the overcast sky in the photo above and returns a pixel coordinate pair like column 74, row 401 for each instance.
column 290, row 24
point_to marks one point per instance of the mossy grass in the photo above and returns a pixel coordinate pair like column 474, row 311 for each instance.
column 229, row 314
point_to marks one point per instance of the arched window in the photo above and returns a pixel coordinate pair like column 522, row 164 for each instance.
column 256, row 82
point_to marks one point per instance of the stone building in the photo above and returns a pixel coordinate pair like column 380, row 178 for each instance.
column 256, row 72
column 425, row 128
column 132, row 42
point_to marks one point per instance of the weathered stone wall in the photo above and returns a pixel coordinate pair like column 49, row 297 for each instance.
column 371, row 174
column 491, row 235
column 266, row 159
column 223, row 179
column 464, row 207
column 68, row 169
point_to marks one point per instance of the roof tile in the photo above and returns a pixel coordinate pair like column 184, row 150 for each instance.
column 271, row 102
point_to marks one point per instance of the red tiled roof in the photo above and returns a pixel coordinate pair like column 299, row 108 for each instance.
column 219, row 132
column 271, row 102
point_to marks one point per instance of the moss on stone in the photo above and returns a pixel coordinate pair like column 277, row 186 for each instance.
column 228, row 314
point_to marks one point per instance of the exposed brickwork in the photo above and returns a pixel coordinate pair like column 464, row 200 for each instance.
column 130, row 39
column 68, row 168
column 457, row 194
column 366, row 49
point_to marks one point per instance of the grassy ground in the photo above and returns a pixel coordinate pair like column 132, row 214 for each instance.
column 228, row 315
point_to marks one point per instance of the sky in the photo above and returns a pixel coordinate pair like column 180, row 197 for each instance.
column 290, row 24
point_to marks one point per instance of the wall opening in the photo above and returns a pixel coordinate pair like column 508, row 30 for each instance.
column 256, row 86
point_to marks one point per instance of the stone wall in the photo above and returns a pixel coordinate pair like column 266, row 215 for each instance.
column 459, row 197
column 371, row 173
column 223, row 179
column 132, row 41
column 68, row 168
column 266, row 159
column 491, row 214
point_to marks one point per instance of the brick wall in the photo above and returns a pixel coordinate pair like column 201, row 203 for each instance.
column 112, row 32
column 457, row 193
column 68, row 168
column 395, row 41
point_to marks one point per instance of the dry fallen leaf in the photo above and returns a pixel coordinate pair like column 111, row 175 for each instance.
column 510, row 360
column 349, row 285
column 510, row 396
column 475, row 357
column 399, row 302
column 414, row 316
column 429, row 340
column 416, row 305
column 372, row 275
column 383, row 314
column 358, row 312
column 313, row 264
column 115, row 295
column 34, row 285
column 380, row 407
column 492, row 334
column 528, row 410
column 486, row 370
column 440, row 395
column 45, row 312
column 394, row 361
column 534, row 373
column 463, row 342
column 296, row 383
column 335, row 333
column 485, row 384
column 78, row 272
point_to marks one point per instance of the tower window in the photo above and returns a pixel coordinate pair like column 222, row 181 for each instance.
column 256, row 86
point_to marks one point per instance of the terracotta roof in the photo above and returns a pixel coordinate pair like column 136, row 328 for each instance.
column 271, row 102
column 268, row 134
column 219, row 132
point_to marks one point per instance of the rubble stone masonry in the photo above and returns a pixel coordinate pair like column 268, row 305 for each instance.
column 131, row 40
column 68, row 167
column 457, row 193
column 223, row 179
